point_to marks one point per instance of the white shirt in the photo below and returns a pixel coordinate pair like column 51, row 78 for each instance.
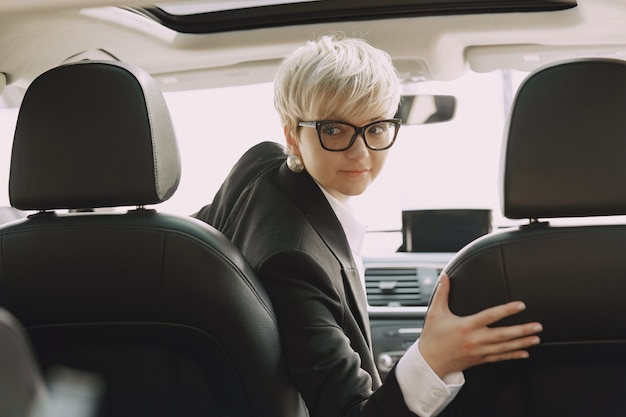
column 425, row 394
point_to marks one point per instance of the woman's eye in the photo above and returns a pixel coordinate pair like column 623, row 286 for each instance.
column 377, row 129
column 332, row 130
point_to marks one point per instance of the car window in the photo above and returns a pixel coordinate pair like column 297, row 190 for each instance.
column 214, row 128
column 442, row 165
column 452, row 164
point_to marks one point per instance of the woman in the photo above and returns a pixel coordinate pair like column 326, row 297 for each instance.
column 288, row 211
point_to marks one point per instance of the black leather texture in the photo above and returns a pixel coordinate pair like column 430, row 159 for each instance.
column 565, row 142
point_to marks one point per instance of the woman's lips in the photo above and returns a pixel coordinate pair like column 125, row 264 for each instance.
column 355, row 172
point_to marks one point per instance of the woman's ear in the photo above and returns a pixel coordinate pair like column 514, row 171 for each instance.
column 292, row 142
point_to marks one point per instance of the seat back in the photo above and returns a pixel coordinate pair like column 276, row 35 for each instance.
column 162, row 307
column 565, row 147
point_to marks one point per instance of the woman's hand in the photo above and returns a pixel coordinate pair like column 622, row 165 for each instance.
column 450, row 343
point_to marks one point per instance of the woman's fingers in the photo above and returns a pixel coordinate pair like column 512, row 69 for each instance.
column 493, row 314
column 489, row 315
column 451, row 343
column 519, row 331
column 513, row 349
column 503, row 343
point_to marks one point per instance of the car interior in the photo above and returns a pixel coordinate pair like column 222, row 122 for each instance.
column 120, row 119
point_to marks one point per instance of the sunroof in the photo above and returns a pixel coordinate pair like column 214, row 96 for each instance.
column 208, row 16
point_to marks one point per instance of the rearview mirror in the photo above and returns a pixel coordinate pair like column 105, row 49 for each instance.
column 426, row 109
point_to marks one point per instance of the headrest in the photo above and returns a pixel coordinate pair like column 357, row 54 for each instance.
column 93, row 134
column 565, row 142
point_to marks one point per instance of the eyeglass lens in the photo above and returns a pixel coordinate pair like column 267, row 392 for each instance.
column 337, row 136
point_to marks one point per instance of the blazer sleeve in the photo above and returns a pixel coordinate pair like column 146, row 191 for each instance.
column 322, row 342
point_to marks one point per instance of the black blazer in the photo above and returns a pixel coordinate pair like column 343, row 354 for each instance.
column 287, row 230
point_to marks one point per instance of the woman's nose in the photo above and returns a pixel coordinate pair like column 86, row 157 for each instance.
column 358, row 149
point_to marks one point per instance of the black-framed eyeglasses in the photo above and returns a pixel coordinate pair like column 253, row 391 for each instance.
column 337, row 136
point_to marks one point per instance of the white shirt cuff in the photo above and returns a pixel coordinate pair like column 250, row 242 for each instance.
column 425, row 394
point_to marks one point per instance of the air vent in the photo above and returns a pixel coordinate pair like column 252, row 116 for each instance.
column 392, row 287
column 397, row 287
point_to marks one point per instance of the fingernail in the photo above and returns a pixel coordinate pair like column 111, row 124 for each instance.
column 520, row 306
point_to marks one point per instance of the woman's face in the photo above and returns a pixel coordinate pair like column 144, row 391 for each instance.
column 342, row 174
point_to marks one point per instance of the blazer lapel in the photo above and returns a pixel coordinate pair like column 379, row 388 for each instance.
column 312, row 202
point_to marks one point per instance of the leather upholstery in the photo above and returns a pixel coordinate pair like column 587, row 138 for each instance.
column 163, row 307
column 117, row 146
column 564, row 153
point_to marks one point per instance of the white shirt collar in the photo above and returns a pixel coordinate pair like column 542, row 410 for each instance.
column 352, row 227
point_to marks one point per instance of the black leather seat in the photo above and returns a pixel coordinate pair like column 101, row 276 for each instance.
column 565, row 157
column 162, row 307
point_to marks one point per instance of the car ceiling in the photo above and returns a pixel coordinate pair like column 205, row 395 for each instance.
column 36, row 35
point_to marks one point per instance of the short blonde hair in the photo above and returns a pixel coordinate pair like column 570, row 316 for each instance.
column 335, row 76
